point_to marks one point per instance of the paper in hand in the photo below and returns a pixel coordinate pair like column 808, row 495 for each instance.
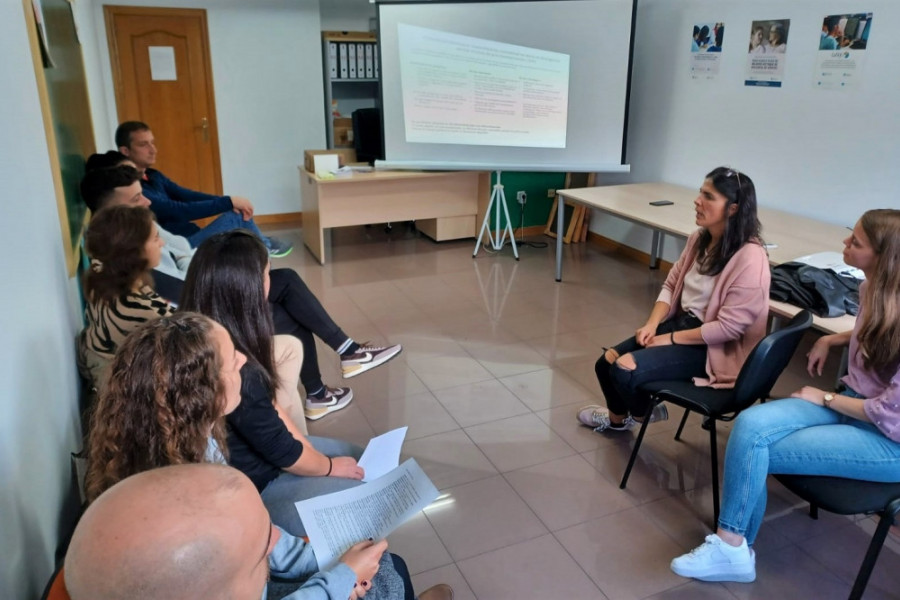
column 382, row 454
column 335, row 522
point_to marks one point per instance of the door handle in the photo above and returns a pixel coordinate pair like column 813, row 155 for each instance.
column 204, row 125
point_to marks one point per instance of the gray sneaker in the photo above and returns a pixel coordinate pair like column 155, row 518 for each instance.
column 334, row 399
column 597, row 417
column 279, row 248
column 367, row 357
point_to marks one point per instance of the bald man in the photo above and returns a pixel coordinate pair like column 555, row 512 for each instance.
column 197, row 532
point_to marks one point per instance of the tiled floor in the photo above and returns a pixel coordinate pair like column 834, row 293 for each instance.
column 497, row 357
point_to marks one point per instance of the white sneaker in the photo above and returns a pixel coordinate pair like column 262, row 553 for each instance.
column 714, row 560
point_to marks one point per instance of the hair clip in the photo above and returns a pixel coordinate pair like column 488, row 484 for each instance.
column 96, row 266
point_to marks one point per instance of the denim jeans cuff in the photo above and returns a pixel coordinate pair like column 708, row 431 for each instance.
column 732, row 529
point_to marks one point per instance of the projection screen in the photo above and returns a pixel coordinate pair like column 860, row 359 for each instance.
column 519, row 86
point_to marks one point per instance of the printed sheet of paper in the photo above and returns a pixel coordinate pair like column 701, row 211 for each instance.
column 335, row 522
column 162, row 63
column 382, row 454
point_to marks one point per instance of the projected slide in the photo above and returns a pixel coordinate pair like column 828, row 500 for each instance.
column 465, row 90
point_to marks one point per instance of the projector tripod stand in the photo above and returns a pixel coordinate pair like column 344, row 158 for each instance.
column 498, row 199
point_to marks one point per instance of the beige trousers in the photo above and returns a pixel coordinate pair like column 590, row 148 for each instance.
column 288, row 358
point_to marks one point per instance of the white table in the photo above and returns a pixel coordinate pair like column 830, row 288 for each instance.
column 793, row 236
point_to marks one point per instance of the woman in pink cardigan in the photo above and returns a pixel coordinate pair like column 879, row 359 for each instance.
column 854, row 433
column 710, row 314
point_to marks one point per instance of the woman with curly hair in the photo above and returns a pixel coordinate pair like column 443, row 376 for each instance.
column 170, row 385
column 124, row 246
column 228, row 281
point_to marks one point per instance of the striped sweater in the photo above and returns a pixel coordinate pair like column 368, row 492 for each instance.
column 109, row 324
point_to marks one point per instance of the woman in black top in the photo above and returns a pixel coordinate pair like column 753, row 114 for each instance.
column 228, row 281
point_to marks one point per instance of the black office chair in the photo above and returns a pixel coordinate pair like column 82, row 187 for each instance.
column 850, row 497
column 760, row 372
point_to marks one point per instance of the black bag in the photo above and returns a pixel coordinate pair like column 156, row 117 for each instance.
column 821, row 291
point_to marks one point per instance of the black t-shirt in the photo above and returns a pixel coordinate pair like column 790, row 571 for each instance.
column 259, row 444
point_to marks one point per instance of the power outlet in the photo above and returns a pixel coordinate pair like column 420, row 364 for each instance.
column 551, row 193
column 521, row 197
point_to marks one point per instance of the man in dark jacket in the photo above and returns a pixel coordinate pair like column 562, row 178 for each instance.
column 175, row 207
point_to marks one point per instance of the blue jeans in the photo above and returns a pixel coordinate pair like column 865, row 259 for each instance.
column 226, row 222
column 282, row 492
column 795, row 437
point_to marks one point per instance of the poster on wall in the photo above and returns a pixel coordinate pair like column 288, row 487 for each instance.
column 706, row 50
column 842, row 48
column 766, row 52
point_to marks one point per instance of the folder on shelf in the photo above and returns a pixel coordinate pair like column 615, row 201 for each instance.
column 370, row 70
column 375, row 59
column 332, row 60
column 361, row 60
column 344, row 60
column 351, row 60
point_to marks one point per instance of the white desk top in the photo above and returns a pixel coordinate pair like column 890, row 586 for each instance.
column 793, row 235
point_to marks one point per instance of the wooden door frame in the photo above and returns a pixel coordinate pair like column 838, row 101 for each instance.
column 110, row 11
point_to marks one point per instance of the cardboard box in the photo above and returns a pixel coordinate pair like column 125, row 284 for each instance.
column 343, row 131
column 345, row 156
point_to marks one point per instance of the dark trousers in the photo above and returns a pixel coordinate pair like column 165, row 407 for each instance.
column 621, row 386
column 403, row 571
column 296, row 311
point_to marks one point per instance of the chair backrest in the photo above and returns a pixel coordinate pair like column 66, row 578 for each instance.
column 56, row 587
column 768, row 359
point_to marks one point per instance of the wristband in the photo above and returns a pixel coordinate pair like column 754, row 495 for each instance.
column 330, row 466
column 672, row 338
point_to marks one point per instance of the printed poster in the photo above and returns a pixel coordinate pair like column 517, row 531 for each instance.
column 706, row 50
column 766, row 52
column 842, row 48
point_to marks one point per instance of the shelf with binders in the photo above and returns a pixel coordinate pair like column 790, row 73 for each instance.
column 351, row 80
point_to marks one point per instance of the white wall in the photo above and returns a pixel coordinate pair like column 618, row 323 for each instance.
column 267, row 75
column 38, row 317
column 824, row 154
column 346, row 15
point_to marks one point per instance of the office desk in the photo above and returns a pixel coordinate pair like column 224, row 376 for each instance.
column 792, row 235
column 445, row 205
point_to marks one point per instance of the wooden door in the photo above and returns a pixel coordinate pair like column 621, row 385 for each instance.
column 174, row 98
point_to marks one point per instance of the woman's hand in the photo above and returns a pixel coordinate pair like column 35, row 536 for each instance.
column 817, row 356
column 810, row 394
column 363, row 558
column 346, row 467
column 660, row 340
column 645, row 334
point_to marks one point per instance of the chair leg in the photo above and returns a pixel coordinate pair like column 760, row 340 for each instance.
column 637, row 447
column 714, row 460
column 684, row 419
column 813, row 511
column 865, row 570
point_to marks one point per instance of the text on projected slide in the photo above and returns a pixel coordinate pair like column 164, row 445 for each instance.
column 464, row 90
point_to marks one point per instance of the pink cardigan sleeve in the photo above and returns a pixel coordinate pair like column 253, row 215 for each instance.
column 746, row 296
